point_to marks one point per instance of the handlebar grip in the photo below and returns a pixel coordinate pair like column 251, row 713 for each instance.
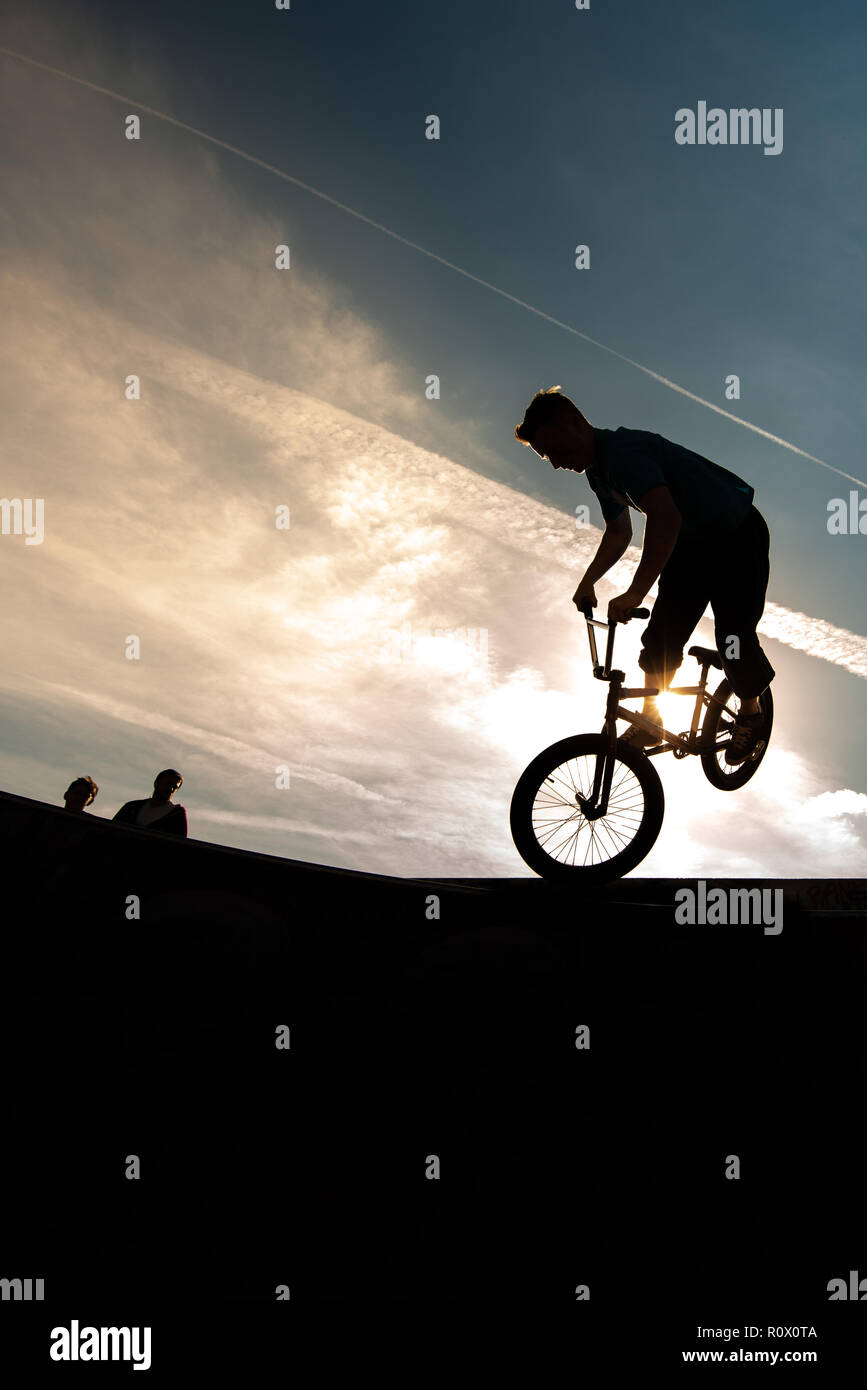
column 586, row 607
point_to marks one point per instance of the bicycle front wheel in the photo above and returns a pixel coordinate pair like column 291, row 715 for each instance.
column 551, row 832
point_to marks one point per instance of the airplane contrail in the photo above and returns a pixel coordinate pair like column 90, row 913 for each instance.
column 504, row 294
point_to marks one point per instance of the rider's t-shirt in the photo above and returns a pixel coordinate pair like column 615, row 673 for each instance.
column 631, row 462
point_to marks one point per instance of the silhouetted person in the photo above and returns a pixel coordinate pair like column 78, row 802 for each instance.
column 80, row 794
column 704, row 541
column 157, row 812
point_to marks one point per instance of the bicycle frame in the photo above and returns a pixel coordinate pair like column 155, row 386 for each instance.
column 681, row 745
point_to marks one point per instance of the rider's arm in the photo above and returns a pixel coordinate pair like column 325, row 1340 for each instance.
column 615, row 539
column 660, row 536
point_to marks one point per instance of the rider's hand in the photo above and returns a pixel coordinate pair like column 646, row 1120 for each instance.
column 584, row 591
column 620, row 606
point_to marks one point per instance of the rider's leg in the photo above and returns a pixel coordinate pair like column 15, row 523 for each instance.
column 639, row 738
column 737, row 598
column 653, row 681
column 681, row 599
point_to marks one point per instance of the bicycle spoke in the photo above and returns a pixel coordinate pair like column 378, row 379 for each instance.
column 561, row 828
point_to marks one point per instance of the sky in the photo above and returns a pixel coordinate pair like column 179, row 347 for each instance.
column 294, row 675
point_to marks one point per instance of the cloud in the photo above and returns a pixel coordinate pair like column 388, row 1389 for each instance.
column 816, row 637
column 126, row 101
column 783, row 823
column 404, row 647
column 318, row 647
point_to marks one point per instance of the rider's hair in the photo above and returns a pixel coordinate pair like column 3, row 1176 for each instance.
column 545, row 407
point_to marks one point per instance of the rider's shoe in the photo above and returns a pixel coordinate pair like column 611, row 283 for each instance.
column 637, row 738
column 745, row 735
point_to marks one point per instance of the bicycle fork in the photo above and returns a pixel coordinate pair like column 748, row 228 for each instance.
column 596, row 805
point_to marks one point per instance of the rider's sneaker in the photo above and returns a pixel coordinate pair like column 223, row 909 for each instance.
column 637, row 738
column 744, row 737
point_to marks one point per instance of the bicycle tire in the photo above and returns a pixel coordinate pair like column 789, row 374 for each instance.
column 543, row 767
column 714, row 768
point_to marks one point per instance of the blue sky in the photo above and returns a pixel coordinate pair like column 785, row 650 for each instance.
column 557, row 128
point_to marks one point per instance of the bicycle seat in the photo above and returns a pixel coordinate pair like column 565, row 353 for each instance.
column 707, row 656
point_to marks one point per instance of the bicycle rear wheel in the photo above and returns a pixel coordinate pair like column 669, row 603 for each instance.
column 552, row 834
column 717, row 725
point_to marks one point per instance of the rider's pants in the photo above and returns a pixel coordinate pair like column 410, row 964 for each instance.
column 730, row 572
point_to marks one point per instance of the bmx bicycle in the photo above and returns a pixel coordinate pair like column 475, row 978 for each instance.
column 590, row 807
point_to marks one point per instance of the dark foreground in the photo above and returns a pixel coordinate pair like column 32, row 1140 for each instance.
column 305, row 1167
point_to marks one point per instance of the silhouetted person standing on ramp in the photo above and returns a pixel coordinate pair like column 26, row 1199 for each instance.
column 80, row 794
column 157, row 812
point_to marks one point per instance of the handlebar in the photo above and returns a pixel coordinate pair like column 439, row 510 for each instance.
column 587, row 610
column 604, row 672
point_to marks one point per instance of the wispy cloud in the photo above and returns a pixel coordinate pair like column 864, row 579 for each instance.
column 309, row 647
column 263, row 648
column 214, row 744
column 128, row 101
